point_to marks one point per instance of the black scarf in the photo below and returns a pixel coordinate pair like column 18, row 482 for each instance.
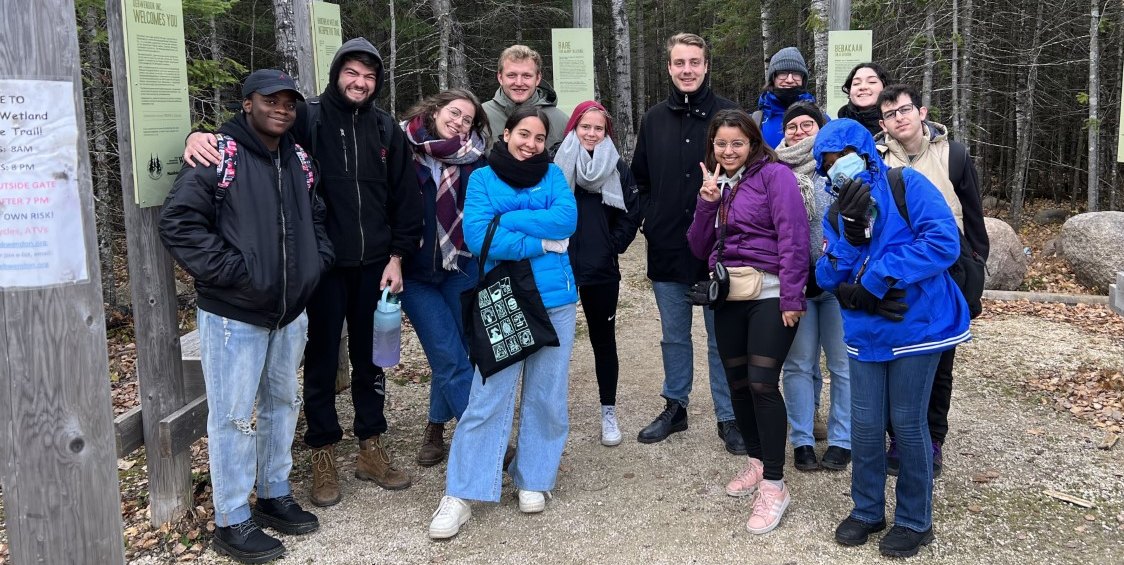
column 518, row 174
column 787, row 96
column 868, row 117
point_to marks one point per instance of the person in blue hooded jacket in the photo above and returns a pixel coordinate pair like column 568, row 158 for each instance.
column 901, row 309
column 786, row 82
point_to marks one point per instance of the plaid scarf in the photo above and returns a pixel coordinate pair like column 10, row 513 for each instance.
column 441, row 160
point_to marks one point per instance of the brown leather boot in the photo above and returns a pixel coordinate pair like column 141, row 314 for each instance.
column 432, row 450
column 374, row 465
column 325, row 480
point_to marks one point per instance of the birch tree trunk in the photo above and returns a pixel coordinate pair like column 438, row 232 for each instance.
column 103, row 194
column 819, row 9
column 622, row 87
column 1024, row 114
column 641, row 63
column 286, row 35
column 766, row 35
column 957, row 133
column 1094, row 123
column 216, row 55
column 965, row 97
column 458, row 66
column 441, row 9
column 391, row 80
column 930, row 45
column 583, row 13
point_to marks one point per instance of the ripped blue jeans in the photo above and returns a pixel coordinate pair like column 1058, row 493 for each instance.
column 244, row 363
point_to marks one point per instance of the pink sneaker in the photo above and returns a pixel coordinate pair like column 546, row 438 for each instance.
column 747, row 479
column 768, row 508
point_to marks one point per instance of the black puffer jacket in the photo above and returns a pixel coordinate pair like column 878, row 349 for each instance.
column 368, row 181
column 669, row 148
column 603, row 232
column 258, row 255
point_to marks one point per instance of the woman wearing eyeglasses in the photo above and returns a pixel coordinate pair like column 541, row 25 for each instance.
column 822, row 326
column 863, row 85
column 750, row 220
column 786, row 82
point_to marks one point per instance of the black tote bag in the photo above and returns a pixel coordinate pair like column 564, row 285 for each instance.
column 504, row 317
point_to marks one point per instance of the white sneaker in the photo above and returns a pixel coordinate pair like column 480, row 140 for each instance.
column 450, row 515
column 532, row 501
column 610, row 428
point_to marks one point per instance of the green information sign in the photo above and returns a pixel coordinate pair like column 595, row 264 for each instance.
column 572, row 50
column 326, row 39
column 159, row 107
column 845, row 49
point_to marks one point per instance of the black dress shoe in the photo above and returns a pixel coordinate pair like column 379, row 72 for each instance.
column 246, row 543
column 804, row 458
column 836, row 458
column 732, row 437
column 904, row 542
column 856, row 532
column 672, row 419
column 285, row 515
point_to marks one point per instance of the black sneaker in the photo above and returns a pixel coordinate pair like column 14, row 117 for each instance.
column 804, row 458
column 855, row 532
column 938, row 458
column 285, row 515
column 836, row 458
column 246, row 543
column 904, row 542
column 728, row 432
column 893, row 458
column 672, row 419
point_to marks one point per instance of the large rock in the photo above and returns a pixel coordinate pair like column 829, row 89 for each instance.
column 1006, row 263
column 1047, row 216
column 1093, row 245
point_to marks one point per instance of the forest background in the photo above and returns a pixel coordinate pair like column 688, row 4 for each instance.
column 1032, row 87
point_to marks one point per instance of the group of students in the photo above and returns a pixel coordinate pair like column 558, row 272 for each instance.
column 297, row 213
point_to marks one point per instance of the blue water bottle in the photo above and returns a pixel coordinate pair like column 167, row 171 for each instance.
column 386, row 344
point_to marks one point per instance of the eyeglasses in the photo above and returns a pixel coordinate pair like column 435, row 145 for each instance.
column 900, row 111
column 737, row 145
column 788, row 75
column 805, row 127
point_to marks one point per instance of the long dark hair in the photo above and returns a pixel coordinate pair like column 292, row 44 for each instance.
column 430, row 105
column 878, row 70
column 741, row 120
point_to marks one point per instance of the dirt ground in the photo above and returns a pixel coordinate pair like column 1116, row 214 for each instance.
column 664, row 503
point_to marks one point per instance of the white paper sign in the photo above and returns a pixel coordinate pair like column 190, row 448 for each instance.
column 41, row 236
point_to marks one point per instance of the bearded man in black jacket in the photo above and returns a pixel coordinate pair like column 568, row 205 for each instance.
column 374, row 220
column 669, row 148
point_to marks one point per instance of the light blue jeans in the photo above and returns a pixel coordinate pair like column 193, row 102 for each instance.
column 475, row 470
column 821, row 327
column 676, row 314
column 434, row 309
column 896, row 392
column 243, row 363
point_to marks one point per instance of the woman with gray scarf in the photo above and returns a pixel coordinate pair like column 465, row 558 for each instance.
column 822, row 325
column 608, row 217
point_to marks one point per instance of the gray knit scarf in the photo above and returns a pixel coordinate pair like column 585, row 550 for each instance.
column 596, row 173
column 799, row 158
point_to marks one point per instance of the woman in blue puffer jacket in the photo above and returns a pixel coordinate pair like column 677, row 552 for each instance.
column 538, row 214
column 901, row 309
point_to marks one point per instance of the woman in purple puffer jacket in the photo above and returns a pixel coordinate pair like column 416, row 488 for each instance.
column 750, row 214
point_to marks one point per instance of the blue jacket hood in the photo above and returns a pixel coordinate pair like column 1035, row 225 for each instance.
column 841, row 133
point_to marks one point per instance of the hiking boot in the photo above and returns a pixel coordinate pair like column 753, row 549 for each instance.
column 325, row 479
column 246, row 543
column 804, row 458
column 904, row 542
column 746, row 481
column 610, row 427
column 938, row 458
column 836, row 458
column 855, row 532
column 672, row 419
column 732, row 437
column 285, row 515
column 893, row 458
column 374, row 465
column 508, row 456
column 819, row 427
column 432, row 450
column 450, row 515
column 768, row 507
column 532, row 501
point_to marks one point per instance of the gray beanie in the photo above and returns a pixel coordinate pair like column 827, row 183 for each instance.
column 787, row 59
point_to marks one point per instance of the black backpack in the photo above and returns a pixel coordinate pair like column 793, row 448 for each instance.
column 968, row 270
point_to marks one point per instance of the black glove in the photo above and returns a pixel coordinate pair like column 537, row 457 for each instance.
column 857, row 297
column 854, row 201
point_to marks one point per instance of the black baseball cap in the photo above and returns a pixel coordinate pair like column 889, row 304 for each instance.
column 269, row 81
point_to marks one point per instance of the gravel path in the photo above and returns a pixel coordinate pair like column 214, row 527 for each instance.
column 664, row 503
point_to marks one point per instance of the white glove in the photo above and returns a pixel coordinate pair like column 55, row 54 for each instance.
column 555, row 245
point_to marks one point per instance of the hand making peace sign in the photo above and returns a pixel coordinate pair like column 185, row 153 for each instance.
column 710, row 191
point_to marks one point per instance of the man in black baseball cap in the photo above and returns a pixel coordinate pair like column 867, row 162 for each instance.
column 269, row 81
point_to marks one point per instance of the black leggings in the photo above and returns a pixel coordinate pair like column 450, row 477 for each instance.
column 941, row 398
column 753, row 342
column 599, row 302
